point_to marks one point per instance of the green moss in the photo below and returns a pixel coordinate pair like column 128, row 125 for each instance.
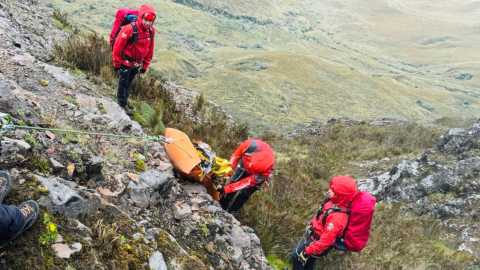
column 277, row 263
column 40, row 164
column 204, row 228
column 57, row 24
column 191, row 263
column 141, row 166
column 102, row 109
column 44, row 82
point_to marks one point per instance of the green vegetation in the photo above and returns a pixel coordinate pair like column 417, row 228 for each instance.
column 91, row 54
column 274, row 64
column 304, row 168
column 50, row 233
column 304, row 165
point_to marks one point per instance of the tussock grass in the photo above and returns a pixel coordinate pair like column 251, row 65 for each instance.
column 303, row 170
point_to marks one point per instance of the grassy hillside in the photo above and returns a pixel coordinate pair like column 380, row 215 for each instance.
column 274, row 64
column 304, row 167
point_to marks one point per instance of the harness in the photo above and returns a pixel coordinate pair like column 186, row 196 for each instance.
column 340, row 241
column 132, row 39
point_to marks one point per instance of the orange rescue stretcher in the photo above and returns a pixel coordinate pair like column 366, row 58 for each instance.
column 195, row 161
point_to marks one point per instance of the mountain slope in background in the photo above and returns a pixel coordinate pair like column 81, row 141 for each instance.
column 276, row 64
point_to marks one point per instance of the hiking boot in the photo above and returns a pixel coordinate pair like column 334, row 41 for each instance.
column 5, row 185
column 30, row 212
column 129, row 105
column 127, row 110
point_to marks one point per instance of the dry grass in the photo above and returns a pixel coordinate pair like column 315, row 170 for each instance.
column 303, row 170
column 326, row 59
column 92, row 54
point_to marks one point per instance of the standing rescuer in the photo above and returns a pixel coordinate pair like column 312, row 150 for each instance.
column 325, row 232
column 252, row 162
column 133, row 52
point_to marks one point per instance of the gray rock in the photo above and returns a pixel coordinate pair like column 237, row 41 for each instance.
column 181, row 211
column 11, row 147
column 156, row 261
column 457, row 141
column 57, row 166
column 192, row 188
column 94, row 165
column 149, row 182
column 63, row 76
column 62, row 199
column 24, row 59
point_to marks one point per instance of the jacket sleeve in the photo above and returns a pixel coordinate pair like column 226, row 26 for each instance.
column 148, row 58
column 125, row 34
column 238, row 153
column 246, row 182
column 338, row 222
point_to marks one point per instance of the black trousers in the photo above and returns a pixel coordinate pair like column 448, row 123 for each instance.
column 297, row 265
column 232, row 202
column 126, row 75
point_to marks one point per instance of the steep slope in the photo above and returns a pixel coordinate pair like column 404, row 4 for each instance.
column 106, row 203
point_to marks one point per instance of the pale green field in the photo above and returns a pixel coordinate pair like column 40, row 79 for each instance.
column 274, row 64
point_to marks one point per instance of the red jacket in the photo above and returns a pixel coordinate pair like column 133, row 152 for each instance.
column 142, row 50
column 258, row 161
column 344, row 189
column 119, row 20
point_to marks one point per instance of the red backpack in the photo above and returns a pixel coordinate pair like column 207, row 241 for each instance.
column 357, row 231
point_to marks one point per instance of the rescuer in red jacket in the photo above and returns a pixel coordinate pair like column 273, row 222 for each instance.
column 322, row 238
column 253, row 162
column 131, row 56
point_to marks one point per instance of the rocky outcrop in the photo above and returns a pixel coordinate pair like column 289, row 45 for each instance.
column 115, row 203
column 443, row 183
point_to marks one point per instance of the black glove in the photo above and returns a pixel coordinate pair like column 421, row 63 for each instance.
column 142, row 70
column 303, row 257
column 218, row 187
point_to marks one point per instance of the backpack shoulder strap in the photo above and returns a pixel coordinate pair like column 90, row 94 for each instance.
column 320, row 210
column 335, row 208
column 134, row 37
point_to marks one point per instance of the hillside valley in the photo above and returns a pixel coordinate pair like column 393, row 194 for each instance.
column 110, row 198
column 274, row 65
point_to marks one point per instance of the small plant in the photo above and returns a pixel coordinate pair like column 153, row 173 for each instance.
column 205, row 229
column 74, row 155
column 102, row 108
column 50, row 234
column 141, row 166
column 105, row 233
column 72, row 100
column 78, row 72
column 21, row 112
column 40, row 164
column 30, row 140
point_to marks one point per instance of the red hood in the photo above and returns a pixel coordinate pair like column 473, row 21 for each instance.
column 144, row 9
column 344, row 188
column 262, row 162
